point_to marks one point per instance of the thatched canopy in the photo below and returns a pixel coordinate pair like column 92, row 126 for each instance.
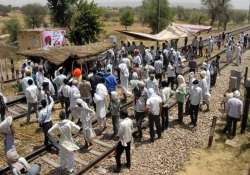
column 59, row 55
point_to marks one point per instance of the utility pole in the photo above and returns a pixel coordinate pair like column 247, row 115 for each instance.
column 158, row 19
column 249, row 14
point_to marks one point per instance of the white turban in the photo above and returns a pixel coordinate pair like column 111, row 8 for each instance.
column 236, row 94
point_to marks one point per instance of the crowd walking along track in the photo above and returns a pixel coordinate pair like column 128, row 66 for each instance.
column 85, row 159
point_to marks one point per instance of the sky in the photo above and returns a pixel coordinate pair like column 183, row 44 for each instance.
column 239, row 4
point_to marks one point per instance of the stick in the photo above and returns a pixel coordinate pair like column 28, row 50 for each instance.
column 211, row 133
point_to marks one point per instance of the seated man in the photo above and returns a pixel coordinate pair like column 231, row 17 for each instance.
column 18, row 165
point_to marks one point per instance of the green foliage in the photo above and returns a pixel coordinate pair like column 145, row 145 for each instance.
column 35, row 14
column 12, row 26
column 238, row 16
column 85, row 25
column 150, row 15
column 218, row 10
column 126, row 17
column 61, row 11
column 197, row 17
column 5, row 9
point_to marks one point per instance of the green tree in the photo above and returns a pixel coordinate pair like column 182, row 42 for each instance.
column 218, row 10
column 5, row 9
column 35, row 14
column 85, row 24
column 61, row 11
column 150, row 14
column 238, row 16
column 12, row 26
column 126, row 17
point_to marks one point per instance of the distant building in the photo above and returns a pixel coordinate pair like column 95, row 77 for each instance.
column 41, row 38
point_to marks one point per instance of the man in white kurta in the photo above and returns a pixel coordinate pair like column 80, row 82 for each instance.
column 205, row 91
column 101, row 101
column 74, row 95
column 239, row 54
column 86, row 119
column 124, row 76
column 65, row 128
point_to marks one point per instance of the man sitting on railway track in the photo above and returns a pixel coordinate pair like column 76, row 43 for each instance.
column 18, row 165
column 3, row 106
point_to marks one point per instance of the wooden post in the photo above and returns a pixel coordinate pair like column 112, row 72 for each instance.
column 211, row 133
column 1, row 70
column 246, row 107
column 12, row 69
column 17, row 75
column 246, row 75
column 6, row 69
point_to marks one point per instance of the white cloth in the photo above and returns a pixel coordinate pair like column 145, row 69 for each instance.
column 154, row 104
column 58, row 80
column 127, row 62
column 67, row 145
column 158, row 65
column 5, row 125
column 100, row 106
column 65, row 90
column 148, row 56
column 124, row 76
column 195, row 95
column 165, row 95
column 24, row 82
column 137, row 60
column 44, row 115
column 152, row 84
column 125, row 131
column 39, row 78
column 208, row 79
column 86, row 119
column 32, row 94
column 171, row 71
column 239, row 54
column 234, row 107
column 51, row 86
column 205, row 91
column 4, row 98
column 74, row 95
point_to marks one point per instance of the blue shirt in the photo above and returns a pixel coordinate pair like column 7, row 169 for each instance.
column 110, row 82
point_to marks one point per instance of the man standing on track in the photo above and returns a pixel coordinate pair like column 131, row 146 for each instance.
column 195, row 100
column 154, row 104
column 234, row 109
column 32, row 94
column 44, row 117
column 125, row 136
column 65, row 128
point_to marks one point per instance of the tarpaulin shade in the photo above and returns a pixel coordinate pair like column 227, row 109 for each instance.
column 174, row 31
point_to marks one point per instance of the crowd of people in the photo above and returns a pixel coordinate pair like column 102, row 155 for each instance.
column 150, row 77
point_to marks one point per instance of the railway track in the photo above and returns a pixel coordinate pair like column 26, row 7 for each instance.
column 85, row 159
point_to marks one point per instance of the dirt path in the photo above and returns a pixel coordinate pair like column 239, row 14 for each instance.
column 170, row 154
column 221, row 158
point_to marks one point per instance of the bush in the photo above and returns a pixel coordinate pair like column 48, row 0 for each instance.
column 13, row 27
column 126, row 17
column 35, row 14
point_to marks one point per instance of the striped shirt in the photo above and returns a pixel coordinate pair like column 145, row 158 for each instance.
column 158, row 66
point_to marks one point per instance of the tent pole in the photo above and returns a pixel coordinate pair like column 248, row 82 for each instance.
column 158, row 19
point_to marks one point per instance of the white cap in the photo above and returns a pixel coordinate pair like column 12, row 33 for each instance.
column 236, row 94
